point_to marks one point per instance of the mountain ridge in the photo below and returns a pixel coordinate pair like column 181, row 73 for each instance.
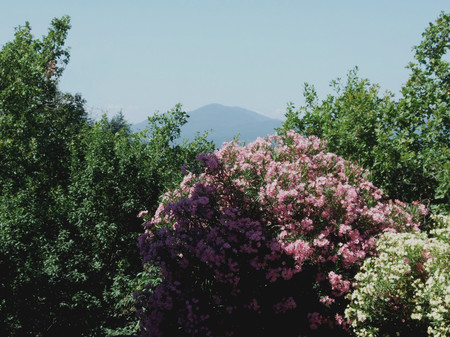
column 224, row 123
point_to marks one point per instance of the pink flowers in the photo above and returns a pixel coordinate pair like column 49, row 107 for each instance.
column 284, row 305
column 265, row 229
column 327, row 300
column 142, row 214
column 300, row 250
column 338, row 284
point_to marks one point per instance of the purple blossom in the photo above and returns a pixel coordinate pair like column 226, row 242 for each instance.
column 274, row 227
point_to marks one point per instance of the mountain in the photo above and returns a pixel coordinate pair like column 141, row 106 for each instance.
column 225, row 122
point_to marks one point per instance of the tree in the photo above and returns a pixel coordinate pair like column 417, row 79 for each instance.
column 70, row 192
column 117, row 123
column 404, row 144
column 114, row 176
column 37, row 121
column 38, row 125
column 423, row 121
column 351, row 121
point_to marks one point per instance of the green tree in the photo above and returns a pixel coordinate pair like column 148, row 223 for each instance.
column 403, row 143
column 114, row 176
column 37, row 121
column 118, row 123
column 70, row 193
column 423, row 120
column 38, row 125
column 351, row 120
column 163, row 138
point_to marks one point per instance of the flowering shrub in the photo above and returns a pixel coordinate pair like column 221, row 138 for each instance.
column 266, row 241
column 406, row 289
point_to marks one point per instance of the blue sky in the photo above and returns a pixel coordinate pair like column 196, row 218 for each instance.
column 146, row 56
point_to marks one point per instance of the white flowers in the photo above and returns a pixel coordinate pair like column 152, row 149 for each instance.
column 407, row 285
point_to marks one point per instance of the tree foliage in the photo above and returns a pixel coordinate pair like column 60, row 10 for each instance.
column 70, row 192
column 404, row 143
column 37, row 121
column 424, row 110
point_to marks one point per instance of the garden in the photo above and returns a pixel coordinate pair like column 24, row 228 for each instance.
column 336, row 225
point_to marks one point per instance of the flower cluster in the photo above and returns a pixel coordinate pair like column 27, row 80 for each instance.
column 406, row 289
column 271, row 232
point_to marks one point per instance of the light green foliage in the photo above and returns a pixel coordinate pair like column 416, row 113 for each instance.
column 353, row 123
column 404, row 143
column 406, row 289
column 70, row 192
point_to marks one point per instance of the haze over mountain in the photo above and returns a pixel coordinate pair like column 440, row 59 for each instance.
column 225, row 122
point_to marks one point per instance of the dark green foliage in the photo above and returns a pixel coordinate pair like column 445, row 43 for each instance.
column 404, row 143
column 117, row 123
column 38, row 125
column 37, row 121
column 162, row 138
column 70, row 192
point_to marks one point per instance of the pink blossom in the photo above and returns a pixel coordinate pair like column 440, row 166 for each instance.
column 327, row 300
column 337, row 283
column 263, row 214
column 285, row 305
column 343, row 229
column 142, row 214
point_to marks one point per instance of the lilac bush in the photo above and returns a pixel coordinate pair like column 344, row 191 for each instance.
column 266, row 241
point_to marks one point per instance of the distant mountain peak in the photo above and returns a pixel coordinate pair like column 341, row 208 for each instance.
column 218, row 109
column 214, row 106
column 225, row 123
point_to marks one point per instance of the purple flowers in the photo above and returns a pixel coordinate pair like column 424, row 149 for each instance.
column 273, row 230
column 209, row 161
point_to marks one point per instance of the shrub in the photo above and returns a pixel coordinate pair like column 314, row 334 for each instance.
column 406, row 289
column 265, row 241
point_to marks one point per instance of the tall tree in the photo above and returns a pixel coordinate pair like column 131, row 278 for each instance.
column 38, row 125
column 37, row 121
column 404, row 143
column 70, row 192
column 423, row 119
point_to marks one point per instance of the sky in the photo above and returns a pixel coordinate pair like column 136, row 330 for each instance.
column 140, row 57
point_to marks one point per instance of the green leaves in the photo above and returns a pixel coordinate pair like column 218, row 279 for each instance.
column 169, row 152
column 70, row 192
column 425, row 107
column 404, row 143
column 37, row 121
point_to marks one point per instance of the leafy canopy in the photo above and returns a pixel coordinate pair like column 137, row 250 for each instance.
column 404, row 143
column 70, row 190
